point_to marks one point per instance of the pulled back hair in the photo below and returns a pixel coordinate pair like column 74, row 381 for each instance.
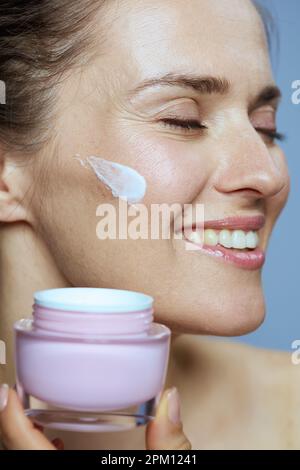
column 39, row 42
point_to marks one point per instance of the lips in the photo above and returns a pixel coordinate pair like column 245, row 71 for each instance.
column 227, row 239
column 251, row 260
column 232, row 223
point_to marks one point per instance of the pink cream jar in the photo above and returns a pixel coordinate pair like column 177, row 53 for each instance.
column 92, row 358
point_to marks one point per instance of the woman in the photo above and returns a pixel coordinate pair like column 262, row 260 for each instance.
column 183, row 93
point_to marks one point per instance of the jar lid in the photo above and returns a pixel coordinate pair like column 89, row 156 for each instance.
column 93, row 300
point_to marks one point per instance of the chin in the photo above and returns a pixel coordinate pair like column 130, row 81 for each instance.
column 225, row 315
column 244, row 320
column 242, row 312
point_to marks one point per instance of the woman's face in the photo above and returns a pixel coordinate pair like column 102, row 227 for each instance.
column 231, row 166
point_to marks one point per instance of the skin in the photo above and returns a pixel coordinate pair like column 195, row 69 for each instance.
column 231, row 168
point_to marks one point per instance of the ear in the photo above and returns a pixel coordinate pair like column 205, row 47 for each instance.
column 11, row 208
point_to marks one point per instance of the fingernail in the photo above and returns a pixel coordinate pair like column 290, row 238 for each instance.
column 4, row 389
column 58, row 443
column 174, row 406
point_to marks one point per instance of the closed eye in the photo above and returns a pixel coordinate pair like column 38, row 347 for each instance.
column 193, row 124
column 273, row 135
column 187, row 124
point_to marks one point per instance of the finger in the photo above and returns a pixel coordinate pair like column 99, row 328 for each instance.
column 58, row 443
column 16, row 430
column 166, row 430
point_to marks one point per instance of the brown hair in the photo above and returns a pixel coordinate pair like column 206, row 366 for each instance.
column 39, row 41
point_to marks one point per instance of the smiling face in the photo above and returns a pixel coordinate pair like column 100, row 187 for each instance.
column 151, row 72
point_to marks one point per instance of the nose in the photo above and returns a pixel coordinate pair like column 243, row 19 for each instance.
column 248, row 165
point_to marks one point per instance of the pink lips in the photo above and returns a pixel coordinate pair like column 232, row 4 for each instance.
column 233, row 223
column 252, row 259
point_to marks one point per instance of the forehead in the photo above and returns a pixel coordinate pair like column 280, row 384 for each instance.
column 160, row 36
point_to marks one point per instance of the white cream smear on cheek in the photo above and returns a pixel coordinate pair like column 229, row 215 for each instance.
column 124, row 182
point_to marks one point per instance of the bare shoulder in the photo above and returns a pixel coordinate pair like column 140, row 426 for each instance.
column 259, row 384
column 268, row 368
column 197, row 349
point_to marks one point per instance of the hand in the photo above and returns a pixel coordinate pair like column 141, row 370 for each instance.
column 166, row 431
column 18, row 432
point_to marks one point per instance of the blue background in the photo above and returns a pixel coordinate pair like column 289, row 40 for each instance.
column 281, row 271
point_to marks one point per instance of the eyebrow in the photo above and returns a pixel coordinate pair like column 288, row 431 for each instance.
column 204, row 85
column 201, row 84
column 267, row 94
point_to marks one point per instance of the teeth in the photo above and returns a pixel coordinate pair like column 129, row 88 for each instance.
column 195, row 237
column 252, row 240
column 211, row 237
column 238, row 239
column 225, row 238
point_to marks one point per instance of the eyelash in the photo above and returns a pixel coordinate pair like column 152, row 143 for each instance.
column 192, row 124
column 187, row 124
column 274, row 135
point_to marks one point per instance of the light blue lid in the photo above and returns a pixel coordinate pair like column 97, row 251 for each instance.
column 90, row 299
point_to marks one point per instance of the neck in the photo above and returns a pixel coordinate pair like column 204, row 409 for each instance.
column 26, row 266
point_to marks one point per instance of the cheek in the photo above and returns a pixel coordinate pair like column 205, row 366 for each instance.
column 174, row 170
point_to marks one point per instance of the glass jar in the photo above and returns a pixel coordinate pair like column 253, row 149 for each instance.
column 91, row 359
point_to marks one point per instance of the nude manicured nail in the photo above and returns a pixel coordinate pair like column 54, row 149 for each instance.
column 174, row 406
column 4, row 389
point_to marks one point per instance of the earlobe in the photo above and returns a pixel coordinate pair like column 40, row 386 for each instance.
column 11, row 210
